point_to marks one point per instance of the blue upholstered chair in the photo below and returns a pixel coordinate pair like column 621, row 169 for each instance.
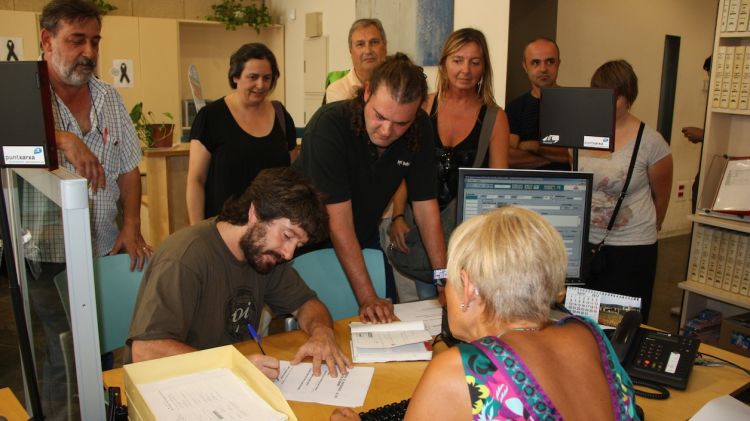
column 323, row 273
column 116, row 288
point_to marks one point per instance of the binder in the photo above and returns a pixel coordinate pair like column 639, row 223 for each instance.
column 718, row 78
column 695, row 253
column 734, row 90
column 742, row 17
column 739, row 261
column 734, row 10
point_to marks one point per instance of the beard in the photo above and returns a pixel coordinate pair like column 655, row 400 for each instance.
column 252, row 246
column 70, row 73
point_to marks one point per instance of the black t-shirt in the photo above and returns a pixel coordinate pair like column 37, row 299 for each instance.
column 236, row 156
column 523, row 118
column 345, row 166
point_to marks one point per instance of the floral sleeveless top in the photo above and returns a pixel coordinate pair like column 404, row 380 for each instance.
column 501, row 386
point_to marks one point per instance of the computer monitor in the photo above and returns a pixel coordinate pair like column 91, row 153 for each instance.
column 562, row 197
column 579, row 118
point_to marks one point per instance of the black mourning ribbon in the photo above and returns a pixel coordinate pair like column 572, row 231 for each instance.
column 11, row 51
column 124, row 73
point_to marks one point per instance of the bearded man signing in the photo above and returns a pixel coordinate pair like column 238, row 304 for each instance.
column 207, row 282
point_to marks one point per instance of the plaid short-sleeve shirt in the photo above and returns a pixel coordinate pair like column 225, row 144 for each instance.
column 113, row 140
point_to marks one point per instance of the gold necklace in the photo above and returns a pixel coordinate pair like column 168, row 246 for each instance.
column 520, row 329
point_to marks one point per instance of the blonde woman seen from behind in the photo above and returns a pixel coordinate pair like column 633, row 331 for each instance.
column 505, row 269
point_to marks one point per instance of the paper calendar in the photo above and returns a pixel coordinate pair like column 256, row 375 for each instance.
column 604, row 307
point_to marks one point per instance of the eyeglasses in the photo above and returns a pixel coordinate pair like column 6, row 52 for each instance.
column 70, row 122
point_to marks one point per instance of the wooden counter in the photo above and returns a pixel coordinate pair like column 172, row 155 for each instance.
column 10, row 408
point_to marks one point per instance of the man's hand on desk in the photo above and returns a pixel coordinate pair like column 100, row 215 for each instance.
column 321, row 346
column 376, row 310
column 266, row 364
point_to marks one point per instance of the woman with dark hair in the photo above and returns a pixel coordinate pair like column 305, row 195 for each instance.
column 457, row 111
column 234, row 138
column 628, row 251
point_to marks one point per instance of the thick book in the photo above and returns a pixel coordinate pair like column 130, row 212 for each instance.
column 744, row 100
column 734, row 90
column 708, row 234
column 724, row 14
column 739, row 262
column 742, row 18
column 395, row 341
column 718, row 78
column 721, row 261
column 695, row 253
column 733, row 14
column 726, row 80
column 733, row 241
column 713, row 257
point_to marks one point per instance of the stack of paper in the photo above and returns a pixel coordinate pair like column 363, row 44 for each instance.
column 429, row 311
column 397, row 341
column 209, row 394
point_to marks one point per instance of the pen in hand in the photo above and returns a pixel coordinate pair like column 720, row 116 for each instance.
column 256, row 337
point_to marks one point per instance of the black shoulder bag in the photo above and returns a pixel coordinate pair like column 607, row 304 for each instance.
column 596, row 262
column 416, row 264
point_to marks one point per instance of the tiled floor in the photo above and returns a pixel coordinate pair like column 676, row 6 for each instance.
column 673, row 255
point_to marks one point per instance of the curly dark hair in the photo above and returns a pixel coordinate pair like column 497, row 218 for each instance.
column 68, row 10
column 247, row 52
column 406, row 83
column 280, row 193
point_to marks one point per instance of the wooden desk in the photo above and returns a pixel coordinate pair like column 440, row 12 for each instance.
column 391, row 382
column 396, row 381
column 10, row 408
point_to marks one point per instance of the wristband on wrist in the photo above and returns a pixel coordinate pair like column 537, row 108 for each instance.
column 439, row 276
column 395, row 217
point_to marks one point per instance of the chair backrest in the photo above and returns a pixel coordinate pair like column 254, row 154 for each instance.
column 323, row 273
column 116, row 289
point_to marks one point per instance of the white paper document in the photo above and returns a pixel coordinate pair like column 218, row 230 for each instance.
column 413, row 352
column 722, row 408
column 297, row 383
column 395, row 341
column 428, row 311
column 212, row 394
column 388, row 335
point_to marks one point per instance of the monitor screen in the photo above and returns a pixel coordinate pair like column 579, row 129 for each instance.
column 562, row 197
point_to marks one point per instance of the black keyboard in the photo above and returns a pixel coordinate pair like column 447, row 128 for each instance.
column 391, row 412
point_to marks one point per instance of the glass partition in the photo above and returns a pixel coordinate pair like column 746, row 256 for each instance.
column 49, row 221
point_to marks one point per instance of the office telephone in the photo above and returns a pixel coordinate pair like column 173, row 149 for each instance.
column 653, row 358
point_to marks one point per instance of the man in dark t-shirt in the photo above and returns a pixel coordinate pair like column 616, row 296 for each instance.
column 541, row 61
column 357, row 152
column 207, row 283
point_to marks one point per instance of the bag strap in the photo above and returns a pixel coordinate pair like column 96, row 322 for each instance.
column 280, row 116
column 624, row 191
column 488, row 123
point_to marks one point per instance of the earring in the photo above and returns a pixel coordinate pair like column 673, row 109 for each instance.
column 476, row 291
column 463, row 307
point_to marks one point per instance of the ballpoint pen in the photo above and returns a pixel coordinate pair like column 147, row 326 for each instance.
column 255, row 337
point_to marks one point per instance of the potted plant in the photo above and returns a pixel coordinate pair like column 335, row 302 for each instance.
column 234, row 13
column 151, row 133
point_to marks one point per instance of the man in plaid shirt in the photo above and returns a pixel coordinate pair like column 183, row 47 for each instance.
column 96, row 139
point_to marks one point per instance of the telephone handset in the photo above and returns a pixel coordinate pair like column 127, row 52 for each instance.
column 653, row 358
